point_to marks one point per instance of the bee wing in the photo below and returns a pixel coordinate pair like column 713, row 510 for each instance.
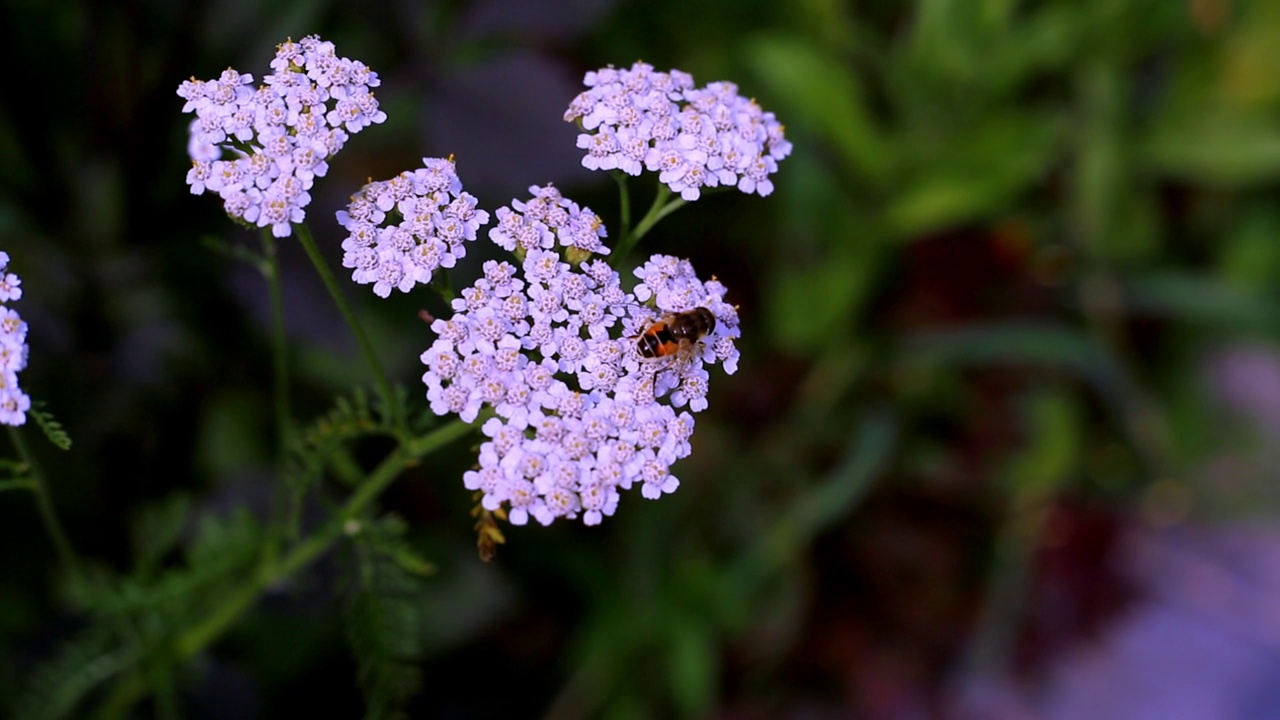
column 639, row 319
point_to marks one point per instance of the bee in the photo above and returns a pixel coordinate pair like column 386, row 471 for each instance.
column 676, row 333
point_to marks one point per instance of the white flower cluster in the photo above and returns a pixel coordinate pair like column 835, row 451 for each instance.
column 549, row 220
column 436, row 218
column 13, row 350
column 281, row 134
column 579, row 415
column 693, row 137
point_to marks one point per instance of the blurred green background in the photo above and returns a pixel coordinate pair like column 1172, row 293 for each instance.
column 1003, row 442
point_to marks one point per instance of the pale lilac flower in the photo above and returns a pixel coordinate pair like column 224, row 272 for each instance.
column 693, row 138
column 670, row 285
column 550, row 349
column 14, row 403
column 546, row 221
column 427, row 217
column 200, row 152
column 10, row 284
column 261, row 148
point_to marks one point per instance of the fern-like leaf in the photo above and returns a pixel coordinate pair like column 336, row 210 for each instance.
column 16, row 475
column 235, row 252
column 387, row 537
column 51, row 428
column 18, row 483
column 156, row 531
column 385, row 622
column 399, row 404
column 350, row 419
column 224, row 547
column 54, row 689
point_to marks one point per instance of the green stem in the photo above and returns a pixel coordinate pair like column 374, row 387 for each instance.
column 624, row 203
column 445, row 285
column 302, row 555
column 279, row 345
column 1146, row 421
column 18, row 484
column 331, row 283
column 44, row 504
column 989, row 649
column 661, row 208
column 313, row 547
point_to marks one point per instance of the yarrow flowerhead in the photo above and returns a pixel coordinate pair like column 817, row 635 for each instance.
column 13, row 349
column 280, row 135
column 669, row 286
column 579, row 416
column 549, row 221
column 693, row 137
column 435, row 218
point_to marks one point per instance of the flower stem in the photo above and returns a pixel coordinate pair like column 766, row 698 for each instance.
column 624, row 203
column 445, row 286
column 44, row 504
column 279, row 346
column 303, row 554
column 315, row 546
column 331, row 283
column 662, row 207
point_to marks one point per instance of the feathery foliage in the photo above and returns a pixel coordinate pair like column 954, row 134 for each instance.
column 350, row 418
column 224, row 548
column 15, row 475
column 55, row 689
column 50, row 426
column 384, row 616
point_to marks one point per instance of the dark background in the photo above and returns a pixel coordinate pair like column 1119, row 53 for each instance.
column 1003, row 442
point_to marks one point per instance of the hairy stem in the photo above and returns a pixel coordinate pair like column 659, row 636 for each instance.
column 662, row 207
column 279, row 345
column 313, row 547
column 300, row 556
column 331, row 283
column 445, row 284
column 624, row 204
column 44, row 504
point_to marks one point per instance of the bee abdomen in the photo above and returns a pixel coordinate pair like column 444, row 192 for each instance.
column 692, row 325
column 652, row 344
column 709, row 320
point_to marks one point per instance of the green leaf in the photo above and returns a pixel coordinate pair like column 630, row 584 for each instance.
column 816, row 303
column 1215, row 150
column 18, row 483
column 233, row 432
column 350, row 418
column 1016, row 344
column 1203, row 300
column 51, row 428
column 398, row 406
column 974, row 174
column 56, row 688
column 1112, row 209
column 866, row 458
column 1044, row 41
column 1053, row 425
column 387, row 536
column 832, row 21
column 818, row 93
column 1251, row 254
column 222, row 537
column 385, row 630
column 694, row 666
column 236, row 252
column 157, row 530
column 223, row 547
